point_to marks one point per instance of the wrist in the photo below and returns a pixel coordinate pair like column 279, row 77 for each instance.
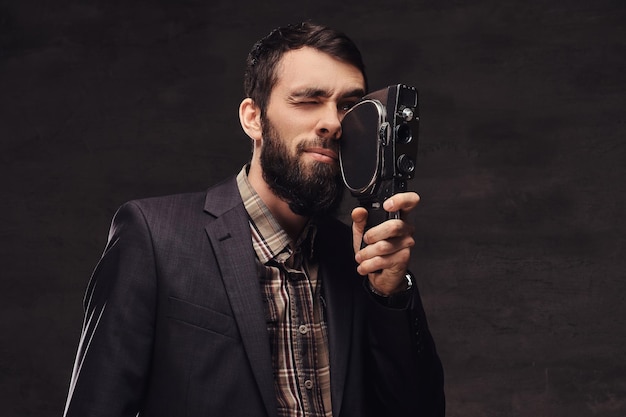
column 406, row 285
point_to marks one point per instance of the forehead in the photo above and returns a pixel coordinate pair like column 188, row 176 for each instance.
column 308, row 67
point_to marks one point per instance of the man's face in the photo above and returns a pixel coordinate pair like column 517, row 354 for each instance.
column 302, row 125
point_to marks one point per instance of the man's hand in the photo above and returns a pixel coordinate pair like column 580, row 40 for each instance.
column 386, row 257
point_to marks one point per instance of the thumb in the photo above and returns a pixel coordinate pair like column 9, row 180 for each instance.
column 359, row 219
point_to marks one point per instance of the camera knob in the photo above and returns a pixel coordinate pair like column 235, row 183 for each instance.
column 383, row 133
column 403, row 133
column 406, row 165
column 407, row 114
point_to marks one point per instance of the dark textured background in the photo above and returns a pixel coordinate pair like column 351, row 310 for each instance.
column 520, row 235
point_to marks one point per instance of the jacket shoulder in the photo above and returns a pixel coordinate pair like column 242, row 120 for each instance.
column 219, row 197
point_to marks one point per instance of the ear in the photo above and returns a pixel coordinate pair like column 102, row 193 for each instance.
column 250, row 119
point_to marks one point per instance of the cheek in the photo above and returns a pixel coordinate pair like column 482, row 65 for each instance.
column 292, row 128
column 299, row 122
column 291, row 138
column 291, row 131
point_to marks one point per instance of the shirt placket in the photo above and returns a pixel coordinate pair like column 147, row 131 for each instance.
column 302, row 324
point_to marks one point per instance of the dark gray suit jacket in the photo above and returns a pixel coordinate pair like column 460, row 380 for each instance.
column 175, row 323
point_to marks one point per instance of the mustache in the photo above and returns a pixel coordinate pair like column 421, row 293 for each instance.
column 318, row 142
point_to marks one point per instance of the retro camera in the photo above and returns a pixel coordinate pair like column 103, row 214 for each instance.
column 378, row 148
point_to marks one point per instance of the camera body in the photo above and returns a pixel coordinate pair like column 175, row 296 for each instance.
column 378, row 148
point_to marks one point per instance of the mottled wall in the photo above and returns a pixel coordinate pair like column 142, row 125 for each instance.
column 520, row 235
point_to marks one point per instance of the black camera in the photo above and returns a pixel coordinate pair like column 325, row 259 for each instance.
column 378, row 148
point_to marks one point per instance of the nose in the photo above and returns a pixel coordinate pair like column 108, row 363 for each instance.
column 329, row 124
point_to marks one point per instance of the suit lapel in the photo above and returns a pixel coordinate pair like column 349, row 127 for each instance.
column 229, row 234
column 230, row 237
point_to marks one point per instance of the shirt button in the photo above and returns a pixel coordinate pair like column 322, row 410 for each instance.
column 308, row 384
column 303, row 329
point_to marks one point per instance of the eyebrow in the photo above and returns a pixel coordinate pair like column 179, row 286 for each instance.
column 318, row 92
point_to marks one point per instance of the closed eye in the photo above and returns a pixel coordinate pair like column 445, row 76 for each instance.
column 304, row 102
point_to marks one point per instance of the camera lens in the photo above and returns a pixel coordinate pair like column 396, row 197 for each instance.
column 406, row 165
column 403, row 133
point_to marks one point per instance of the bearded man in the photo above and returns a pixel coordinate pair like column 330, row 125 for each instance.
column 250, row 299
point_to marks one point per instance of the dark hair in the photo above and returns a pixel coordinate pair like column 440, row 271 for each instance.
column 260, row 76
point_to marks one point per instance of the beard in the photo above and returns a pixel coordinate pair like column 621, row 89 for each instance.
column 309, row 189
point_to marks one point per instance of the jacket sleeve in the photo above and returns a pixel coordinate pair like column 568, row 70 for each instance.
column 403, row 369
column 114, row 353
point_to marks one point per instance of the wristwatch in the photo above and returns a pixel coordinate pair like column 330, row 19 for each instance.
column 408, row 276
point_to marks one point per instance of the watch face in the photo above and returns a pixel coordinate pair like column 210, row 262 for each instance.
column 409, row 280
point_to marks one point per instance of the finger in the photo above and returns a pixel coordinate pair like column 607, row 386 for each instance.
column 388, row 264
column 387, row 230
column 359, row 215
column 403, row 202
column 384, row 248
column 359, row 220
column 393, row 252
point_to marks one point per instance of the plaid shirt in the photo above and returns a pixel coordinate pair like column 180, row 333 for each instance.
column 294, row 311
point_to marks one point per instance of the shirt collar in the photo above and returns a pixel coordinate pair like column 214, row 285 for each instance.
column 270, row 241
